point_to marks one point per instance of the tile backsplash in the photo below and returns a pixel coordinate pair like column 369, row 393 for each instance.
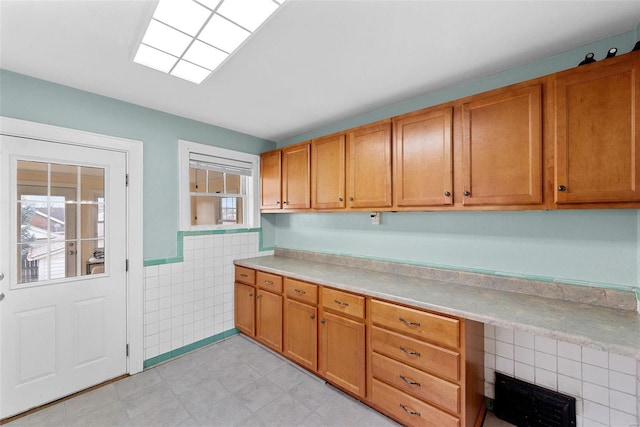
column 185, row 302
column 606, row 385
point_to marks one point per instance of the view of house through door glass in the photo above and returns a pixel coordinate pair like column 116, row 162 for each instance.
column 63, row 253
column 61, row 212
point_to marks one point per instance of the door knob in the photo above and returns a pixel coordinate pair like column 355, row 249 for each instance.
column 1, row 297
column 1, row 276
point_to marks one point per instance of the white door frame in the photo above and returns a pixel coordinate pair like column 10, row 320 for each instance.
column 133, row 151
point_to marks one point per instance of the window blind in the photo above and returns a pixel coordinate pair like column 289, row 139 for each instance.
column 220, row 164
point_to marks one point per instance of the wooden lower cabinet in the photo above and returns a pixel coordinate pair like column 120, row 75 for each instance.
column 244, row 308
column 269, row 319
column 342, row 352
column 418, row 367
column 301, row 333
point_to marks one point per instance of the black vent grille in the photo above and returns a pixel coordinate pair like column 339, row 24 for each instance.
column 529, row 405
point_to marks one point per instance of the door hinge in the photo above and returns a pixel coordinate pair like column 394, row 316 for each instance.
column 127, row 350
column 126, row 180
column 126, row 268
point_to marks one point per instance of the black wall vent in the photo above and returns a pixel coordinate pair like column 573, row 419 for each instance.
column 529, row 405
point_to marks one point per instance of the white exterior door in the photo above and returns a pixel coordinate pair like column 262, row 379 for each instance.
column 63, row 251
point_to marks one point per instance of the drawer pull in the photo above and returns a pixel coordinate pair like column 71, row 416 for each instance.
column 268, row 282
column 340, row 303
column 410, row 352
column 243, row 275
column 409, row 323
column 409, row 411
column 409, row 381
column 299, row 292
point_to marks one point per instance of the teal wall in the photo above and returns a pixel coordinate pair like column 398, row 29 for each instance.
column 36, row 100
column 598, row 247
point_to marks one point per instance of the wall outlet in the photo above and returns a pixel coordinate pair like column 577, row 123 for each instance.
column 375, row 218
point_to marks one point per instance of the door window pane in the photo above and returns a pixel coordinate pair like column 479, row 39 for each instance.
column 50, row 220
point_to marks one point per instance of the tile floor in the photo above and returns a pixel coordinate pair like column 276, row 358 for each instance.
column 235, row 382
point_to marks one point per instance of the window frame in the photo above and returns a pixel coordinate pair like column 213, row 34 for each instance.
column 251, row 211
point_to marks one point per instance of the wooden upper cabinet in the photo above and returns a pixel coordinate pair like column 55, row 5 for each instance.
column 328, row 172
column 502, row 147
column 296, row 177
column 369, row 166
column 597, row 133
column 270, row 180
column 422, row 159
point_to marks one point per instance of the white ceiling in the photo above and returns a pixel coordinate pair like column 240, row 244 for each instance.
column 315, row 62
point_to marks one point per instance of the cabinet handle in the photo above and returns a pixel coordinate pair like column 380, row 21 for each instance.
column 323, row 321
column 340, row 303
column 340, row 199
column 268, row 282
column 408, row 323
column 409, row 352
column 299, row 292
column 447, row 193
column 243, row 275
column 409, row 381
column 467, row 193
column 562, row 188
column 409, row 411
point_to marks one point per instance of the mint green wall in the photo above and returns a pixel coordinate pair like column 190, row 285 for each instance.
column 36, row 100
column 595, row 246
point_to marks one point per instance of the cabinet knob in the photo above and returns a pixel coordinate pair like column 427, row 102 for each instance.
column 313, row 316
column 286, row 203
column 351, row 199
column 467, row 193
column 562, row 188
column 277, row 203
column 323, row 321
column 340, row 199
column 447, row 193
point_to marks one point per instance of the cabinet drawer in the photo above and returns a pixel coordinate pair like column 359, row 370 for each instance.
column 270, row 282
column 421, row 355
column 301, row 291
column 245, row 275
column 423, row 325
column 343, row 302
column 419, row 384
column 409, row 410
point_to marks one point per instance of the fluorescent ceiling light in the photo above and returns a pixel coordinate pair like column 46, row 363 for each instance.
column 186, row 16
column 204, row 55
column 154, row 58
column 223, row 34
column 192, row 38
column 188, row 71
column 247, row 13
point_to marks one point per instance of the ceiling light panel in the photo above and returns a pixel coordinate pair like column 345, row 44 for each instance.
column 191, row 38
column 187, row 16
column 165, row 38
column 223, row 34
column 249, row 14
column 204, row 55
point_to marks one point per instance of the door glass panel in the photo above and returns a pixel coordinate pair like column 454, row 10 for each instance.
column 50, row 220
column 92, row 184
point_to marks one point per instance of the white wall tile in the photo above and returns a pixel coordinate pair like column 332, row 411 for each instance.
column 623, row 419
column 622, row 364
column 623, row 382
column 569, row 351
column 623, row 402
column 595, row 393
column 596, row 412
column 595, row 375
column 570, row 386
column 546, row 361
column 504, row 365
column 489, row 331
column 546, row 345
column 525, row 355
column 546, row 378
column 504, row 334
column 524, row 339
column 595, row 357
column 504, row 350
column 570, row 368
column 525, row 372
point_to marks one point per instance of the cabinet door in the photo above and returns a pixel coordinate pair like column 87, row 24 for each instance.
column 296, row 186
column 342, row 352
column 369, row 166
column 270, row 184
column 269, row 319
column 244, row 308
column 301, row 333
column 598, row 134
column 502, row 148
column 422, row 145
column 328, row 172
